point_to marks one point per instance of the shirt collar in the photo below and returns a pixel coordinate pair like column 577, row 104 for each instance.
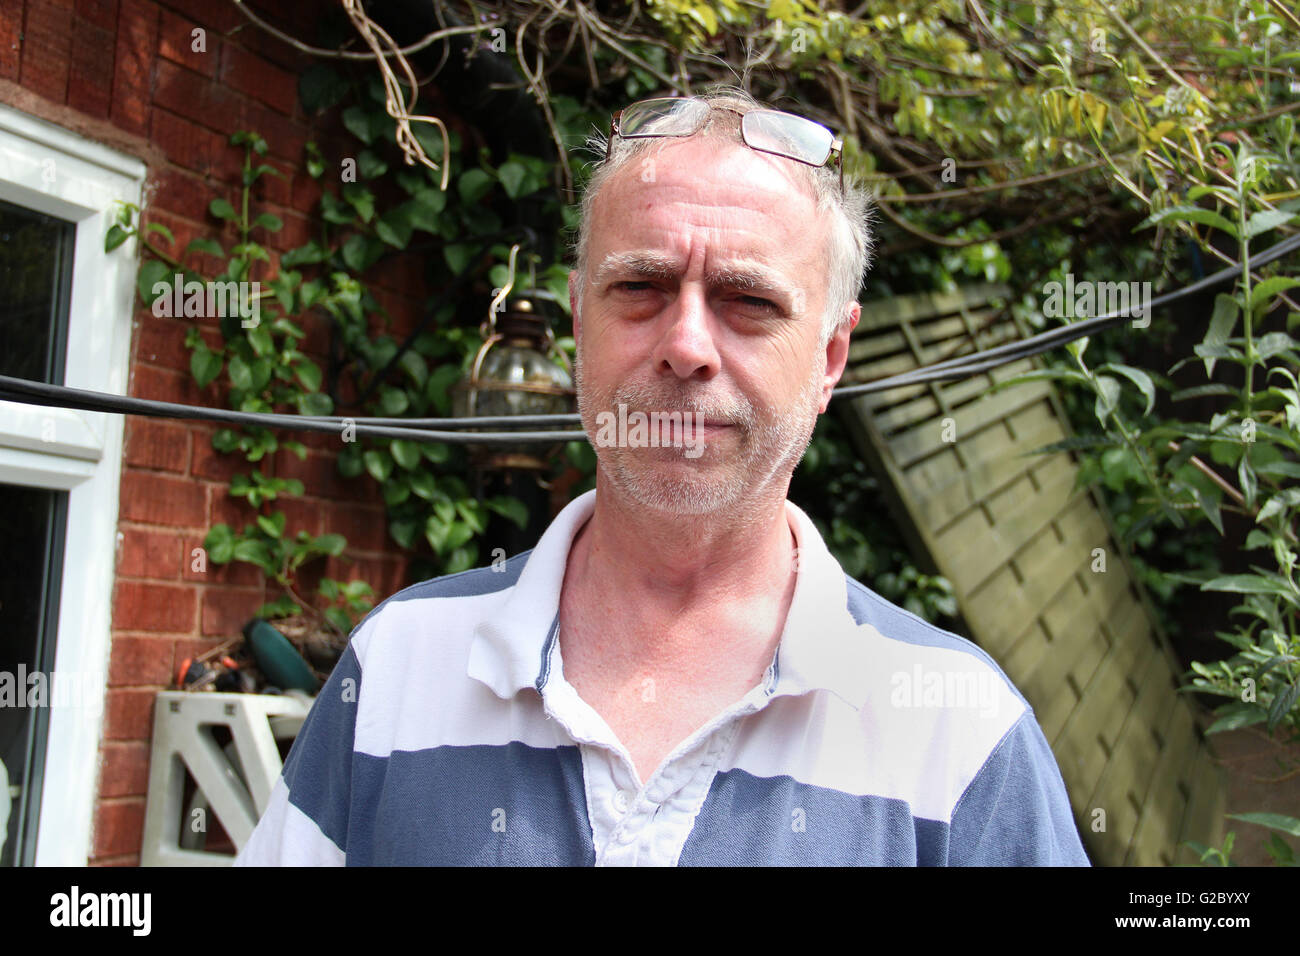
column 821, row 646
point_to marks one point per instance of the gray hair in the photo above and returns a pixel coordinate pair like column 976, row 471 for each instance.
column 851, row 240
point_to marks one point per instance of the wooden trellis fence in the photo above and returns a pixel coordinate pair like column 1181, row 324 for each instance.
column 1018, row 540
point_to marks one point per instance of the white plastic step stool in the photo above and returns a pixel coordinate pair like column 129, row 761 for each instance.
column 234, row 783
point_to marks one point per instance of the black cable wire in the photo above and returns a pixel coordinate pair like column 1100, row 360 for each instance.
column 445, row 429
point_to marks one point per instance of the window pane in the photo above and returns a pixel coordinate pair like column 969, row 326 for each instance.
column 33, row 521
column 36, row 276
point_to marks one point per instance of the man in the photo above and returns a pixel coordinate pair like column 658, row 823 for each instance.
column 679, row 672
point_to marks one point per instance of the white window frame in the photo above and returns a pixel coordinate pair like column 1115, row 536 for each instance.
column 50, row 170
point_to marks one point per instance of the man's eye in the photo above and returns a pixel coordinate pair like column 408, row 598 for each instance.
column 753, row 300
column 632, row 286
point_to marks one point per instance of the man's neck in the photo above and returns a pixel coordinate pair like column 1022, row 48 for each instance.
column 718, row 576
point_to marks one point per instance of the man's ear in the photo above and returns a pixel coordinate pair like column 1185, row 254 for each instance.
column 837, row 352
column 573, row 303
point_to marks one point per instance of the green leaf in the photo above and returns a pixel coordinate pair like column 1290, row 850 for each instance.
column 255, row 552
column 209, row 246
column 115, row 237
column 358, row 123
column 1190, row 214
column 435, row 532
column 473, row 185
column 1282, row 705
column 308, row 254
column 371, row 165
column 361, row 199
column 273, row 525
column 424, row 485
column 1222, row 322
column 510, row 508
column 1264, row 291
column 1107, row 397
column 394, row 228
column 403, row 531
column 205, row 365
column 393, row 401
column 1235, row 716
column 458, row 256
column 457, row 534
column 1274, row 821
column 1139, row 378
column 405, row 453
column 162, row 231
column 320, row 87
column 413, row 364
column 267, row 221
column 331, row 544
column 460, row 559
column 349, row 461
column 241, row 376
column 221, row 208
column 512, row 177
column 152, row 272
column 314, row 403
column 308, row 373
column 220, row 544
column 379, row 464
column 1265, row 220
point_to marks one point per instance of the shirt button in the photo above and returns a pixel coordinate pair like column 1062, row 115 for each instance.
column 626, row 837
column 621, row 801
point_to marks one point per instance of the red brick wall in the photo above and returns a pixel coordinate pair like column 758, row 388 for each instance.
column 123, row 72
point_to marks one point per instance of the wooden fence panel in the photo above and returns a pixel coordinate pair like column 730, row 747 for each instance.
column 1023, row 546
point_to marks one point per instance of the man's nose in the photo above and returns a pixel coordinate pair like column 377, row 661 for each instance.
column 686, row 347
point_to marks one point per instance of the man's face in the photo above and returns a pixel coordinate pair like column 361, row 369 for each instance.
column 708, row 271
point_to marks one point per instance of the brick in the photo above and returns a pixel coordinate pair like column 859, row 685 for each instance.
column 213, row 464
column 124, row 769
column 90, row 80
column 156, row 443
column 185, row 143
column 98, row 13
column 47, row 49
column 184, row 195
column 176, row 42
column 119, row 826
column 161, row 341
column 297, row 231
column 165, row 385
column 221, row 17
column 318, row 472
column 285, row 138
column 137, row 660
column 228, row 510
column 264, row 81
column 365, row 528
column 162, row 500
column 192, row 94
column 143, row 606
column 133, row 65
column 128, row 714
column 300, row 515
column 227, row 610
column 275, row 190
column 11, row 30
column 306, row 194
column 145, row 553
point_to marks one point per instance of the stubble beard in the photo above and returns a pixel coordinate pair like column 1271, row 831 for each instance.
column 762, row 447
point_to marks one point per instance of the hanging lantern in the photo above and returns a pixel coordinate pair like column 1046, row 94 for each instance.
column 519, row 370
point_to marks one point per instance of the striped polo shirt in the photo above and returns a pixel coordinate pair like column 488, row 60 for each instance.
column 448, row 735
